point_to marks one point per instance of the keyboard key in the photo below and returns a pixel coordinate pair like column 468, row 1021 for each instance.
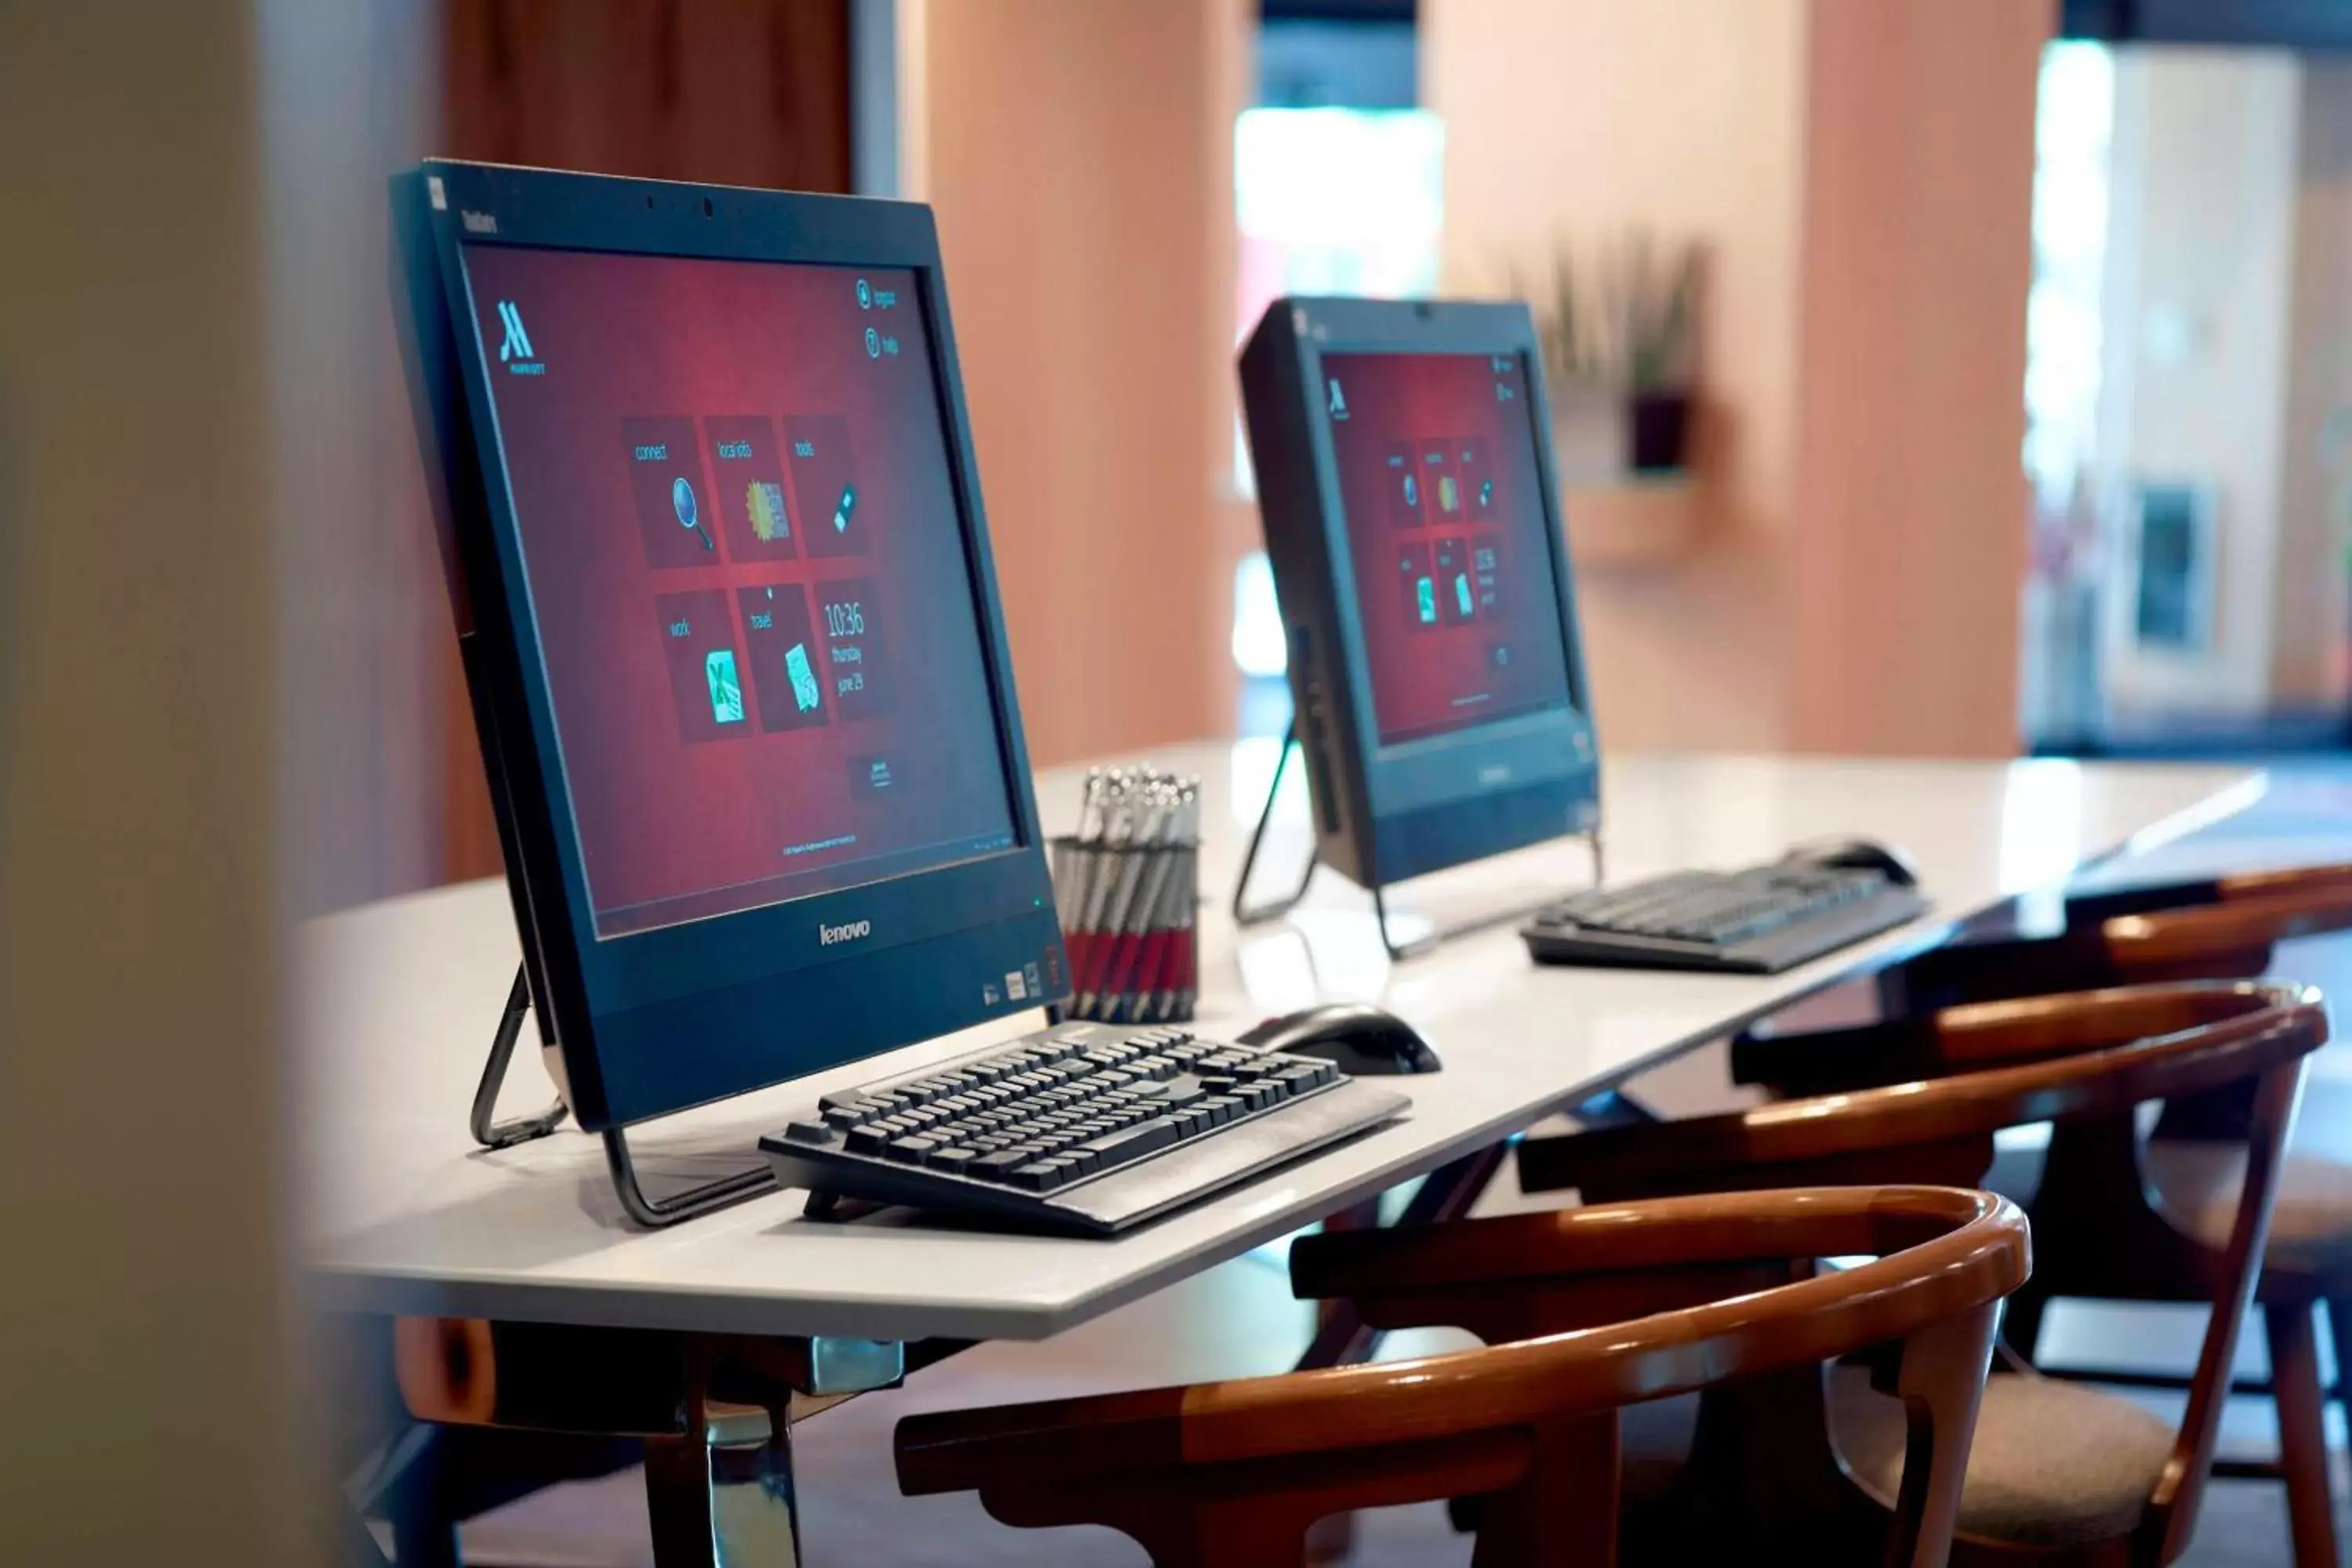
column 1132, row 1142
column 912, row 1149
column 951, row 1161
column 1039, row 1177
column 1001, row 1163
column 868, row 1141
column 816, row 1132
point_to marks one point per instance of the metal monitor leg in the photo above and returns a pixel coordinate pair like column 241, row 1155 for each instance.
column 1244, row 914
column 490, row 1132
column 645, row 1210
column 654, row 1212
column 1397, row 950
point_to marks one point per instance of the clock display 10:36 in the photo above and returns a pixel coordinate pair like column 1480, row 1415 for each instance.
column 854, row 651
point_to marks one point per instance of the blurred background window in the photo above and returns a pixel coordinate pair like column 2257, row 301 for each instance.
column 2188, row 383
column 1339, row 188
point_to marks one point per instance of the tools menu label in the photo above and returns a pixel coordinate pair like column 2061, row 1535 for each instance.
column 824, row 482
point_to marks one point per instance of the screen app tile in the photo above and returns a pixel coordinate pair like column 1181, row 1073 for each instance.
column 783, row 657
column 706, row 670
column 1404, row 481
column 834, row 519
column 1441, row 479
column 850, row 613
column 748, row 475
column 1417, row 585
column 673, row 500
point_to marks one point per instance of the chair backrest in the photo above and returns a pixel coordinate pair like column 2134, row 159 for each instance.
column 2239, row 930
column 1234, row 1473
column 2084, row 1061
column 2222, row 929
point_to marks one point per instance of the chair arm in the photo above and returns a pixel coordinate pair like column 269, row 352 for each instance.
column 2299, row 881
column 2096, row 1053
column 2246, row 927
column 1945, row 1252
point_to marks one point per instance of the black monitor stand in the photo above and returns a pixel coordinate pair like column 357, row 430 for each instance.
column 1246, row 915
column 640, row 1205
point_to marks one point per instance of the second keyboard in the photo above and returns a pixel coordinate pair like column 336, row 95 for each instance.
column 1756, row 921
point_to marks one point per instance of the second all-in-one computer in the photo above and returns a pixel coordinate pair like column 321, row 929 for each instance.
column 1412, row 518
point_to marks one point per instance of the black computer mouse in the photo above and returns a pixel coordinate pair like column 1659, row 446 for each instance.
column 1358, row 1038
column 1856, row 854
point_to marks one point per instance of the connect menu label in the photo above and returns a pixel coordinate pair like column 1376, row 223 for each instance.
column 675, row 516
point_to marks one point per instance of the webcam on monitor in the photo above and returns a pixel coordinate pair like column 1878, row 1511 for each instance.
column 1413, row 520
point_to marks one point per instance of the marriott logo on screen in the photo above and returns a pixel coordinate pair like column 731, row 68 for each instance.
column 827, row 935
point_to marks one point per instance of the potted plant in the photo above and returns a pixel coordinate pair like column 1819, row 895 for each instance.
column 1620, row 353
column 1588, row 422
column 1653, row 294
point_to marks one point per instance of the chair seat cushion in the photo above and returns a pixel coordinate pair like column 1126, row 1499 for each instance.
column 2054, row 1464
column 2311, row 1220
column 1654, row 1444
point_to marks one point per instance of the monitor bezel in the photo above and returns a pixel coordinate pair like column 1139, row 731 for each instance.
column 581, row 982
column 1410, row 822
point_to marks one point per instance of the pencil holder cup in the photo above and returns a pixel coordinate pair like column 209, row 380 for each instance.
column 1128, row 913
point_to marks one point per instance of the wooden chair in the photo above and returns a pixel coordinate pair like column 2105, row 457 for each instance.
column 2223, row 928
column 1234, row 1474
column 2060, row 1472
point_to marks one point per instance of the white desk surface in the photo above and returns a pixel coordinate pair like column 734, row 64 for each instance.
column 397, row 1000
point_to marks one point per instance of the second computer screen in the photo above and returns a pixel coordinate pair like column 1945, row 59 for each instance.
column 1449, row 538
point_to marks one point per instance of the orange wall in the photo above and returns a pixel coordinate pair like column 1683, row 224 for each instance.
column 1911, row 499
column 1582, row 118
column 1860, row 171
column 1081, row 167
column 2310, row 607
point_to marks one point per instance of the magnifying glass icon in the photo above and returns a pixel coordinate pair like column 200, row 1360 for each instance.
column 690, row 516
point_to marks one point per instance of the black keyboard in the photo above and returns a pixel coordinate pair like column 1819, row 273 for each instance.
column 1756, row 921
column 1089, row 1128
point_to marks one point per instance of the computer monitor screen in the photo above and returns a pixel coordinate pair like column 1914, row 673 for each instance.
column 739, row 534
column 1448, row 537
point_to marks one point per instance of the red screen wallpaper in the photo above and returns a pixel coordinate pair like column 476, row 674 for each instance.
column 741, row 538
column 1447, row 532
